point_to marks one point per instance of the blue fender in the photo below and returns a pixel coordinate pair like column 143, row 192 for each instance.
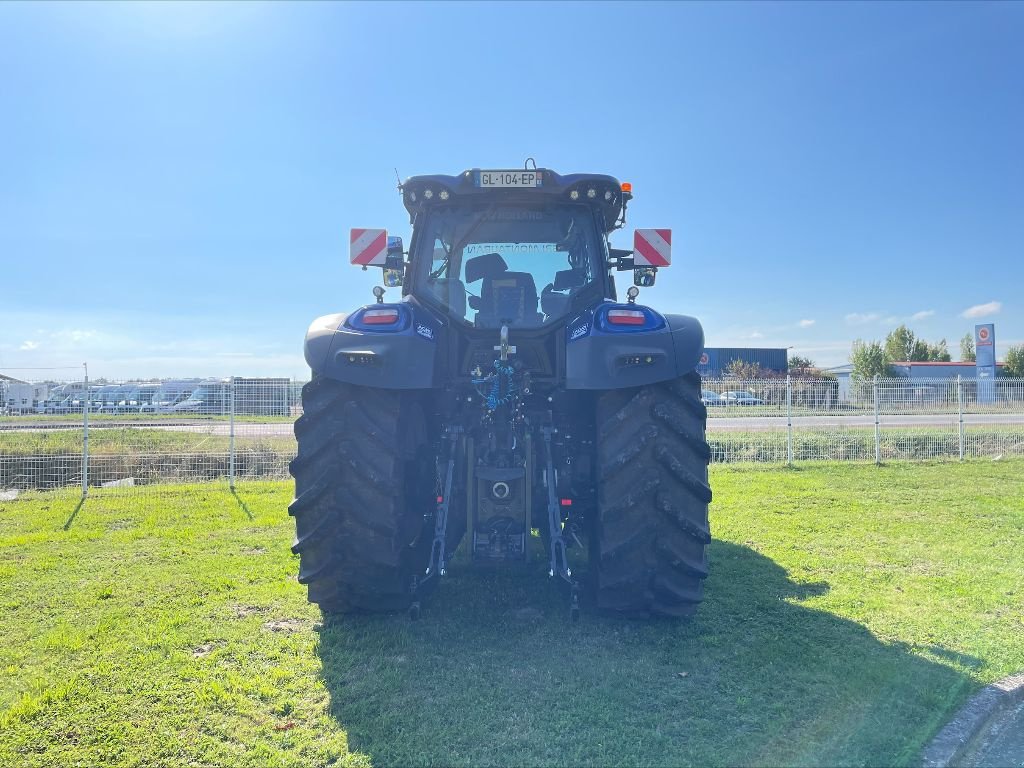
column 404, row 357
column 598, row 357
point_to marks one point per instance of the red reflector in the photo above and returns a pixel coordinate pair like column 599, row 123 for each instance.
column 380, row 316
column 626, row 317
column 440, row 499
column 566, row 502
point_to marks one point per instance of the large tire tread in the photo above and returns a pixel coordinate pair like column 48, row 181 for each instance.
column 649, row 545
column 357, row 520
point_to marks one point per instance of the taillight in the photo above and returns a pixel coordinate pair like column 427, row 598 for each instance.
column 626, row 317
column 380, row 317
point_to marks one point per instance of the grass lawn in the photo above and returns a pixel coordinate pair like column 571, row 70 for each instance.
column 850, row 610
column 120, row 440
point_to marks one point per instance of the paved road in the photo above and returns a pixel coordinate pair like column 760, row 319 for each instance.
column 758, row 423
column 204, row 427
column 1003, row 745
column 715, row 423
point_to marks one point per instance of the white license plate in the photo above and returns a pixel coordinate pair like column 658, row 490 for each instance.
column 509, row 179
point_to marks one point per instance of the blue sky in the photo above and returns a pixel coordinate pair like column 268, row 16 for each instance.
column 177, row 180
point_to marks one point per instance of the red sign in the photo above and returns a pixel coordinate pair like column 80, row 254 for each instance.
column 368, row 247
column 652, row 247
column 704, row 359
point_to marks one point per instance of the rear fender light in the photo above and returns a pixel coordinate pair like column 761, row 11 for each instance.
column 628, row 318
column 380, row 318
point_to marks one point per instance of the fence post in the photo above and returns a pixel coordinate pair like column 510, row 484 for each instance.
column 231, row 438
column 85, row 434
column 878, row 433
column 789, row 420
column 960, row 414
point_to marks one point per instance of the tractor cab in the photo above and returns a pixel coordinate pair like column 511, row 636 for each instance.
column 489, row 264
column 522, row 249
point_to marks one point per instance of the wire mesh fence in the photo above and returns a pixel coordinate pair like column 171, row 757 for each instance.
column 111, row 436
column 126, row 434
column 802, row 419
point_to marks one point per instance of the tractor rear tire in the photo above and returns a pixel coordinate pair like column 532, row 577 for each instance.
column 364, row 479
column 649, row 541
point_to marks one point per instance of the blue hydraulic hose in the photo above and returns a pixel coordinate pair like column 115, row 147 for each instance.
column 493, row 400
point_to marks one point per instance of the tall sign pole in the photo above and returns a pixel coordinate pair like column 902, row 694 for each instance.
column 985, row 345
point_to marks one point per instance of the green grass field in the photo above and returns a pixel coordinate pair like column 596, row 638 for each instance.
column 51, row 459
column 850, row 610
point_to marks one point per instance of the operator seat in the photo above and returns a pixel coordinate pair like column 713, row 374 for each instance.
column 451, row 292
column 505, row 297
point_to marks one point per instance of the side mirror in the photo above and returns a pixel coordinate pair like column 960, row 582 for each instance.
column 394, row 264
column 645, row 276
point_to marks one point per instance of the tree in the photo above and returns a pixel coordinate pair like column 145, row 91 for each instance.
column 920, row 353
column 900, row 345
column 1014, row 364
column 802, row 366
column 869, row 360
column 967, row 353
column 744, row 370
column 939, row 353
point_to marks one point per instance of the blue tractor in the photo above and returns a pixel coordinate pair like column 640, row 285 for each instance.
column 508, row 391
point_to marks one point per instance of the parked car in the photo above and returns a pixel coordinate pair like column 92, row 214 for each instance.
column 145, row 396
column 60, row 398
column 740, row 397
column 104, row 398
column 711, row 399
column 170, row 394
column 210, row 397
column 126, row 398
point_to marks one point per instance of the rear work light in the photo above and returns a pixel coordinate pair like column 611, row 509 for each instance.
column 626, row 317
column 380, row 317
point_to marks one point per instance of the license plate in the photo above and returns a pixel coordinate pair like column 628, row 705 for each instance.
column 509, row 179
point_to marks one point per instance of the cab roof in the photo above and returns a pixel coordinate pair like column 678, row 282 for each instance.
column 597, row 190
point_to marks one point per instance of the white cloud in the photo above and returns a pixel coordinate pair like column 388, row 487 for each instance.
column 923, row 314
column 806, row 323
column 28, row 345
column 982, row 310
column 75, row 335
column 863, row 318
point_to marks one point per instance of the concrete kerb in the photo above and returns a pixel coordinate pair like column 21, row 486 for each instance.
column 971, row 722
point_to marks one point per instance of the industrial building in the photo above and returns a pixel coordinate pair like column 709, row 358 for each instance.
column 17, row 396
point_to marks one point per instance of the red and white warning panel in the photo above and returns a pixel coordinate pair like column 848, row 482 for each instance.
column 368, row 247
column 652, row 247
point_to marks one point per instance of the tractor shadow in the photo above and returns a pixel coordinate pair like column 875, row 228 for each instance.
column 494, row 673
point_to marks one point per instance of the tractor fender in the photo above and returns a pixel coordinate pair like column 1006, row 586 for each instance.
column 611, row 360
column 397, row 359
